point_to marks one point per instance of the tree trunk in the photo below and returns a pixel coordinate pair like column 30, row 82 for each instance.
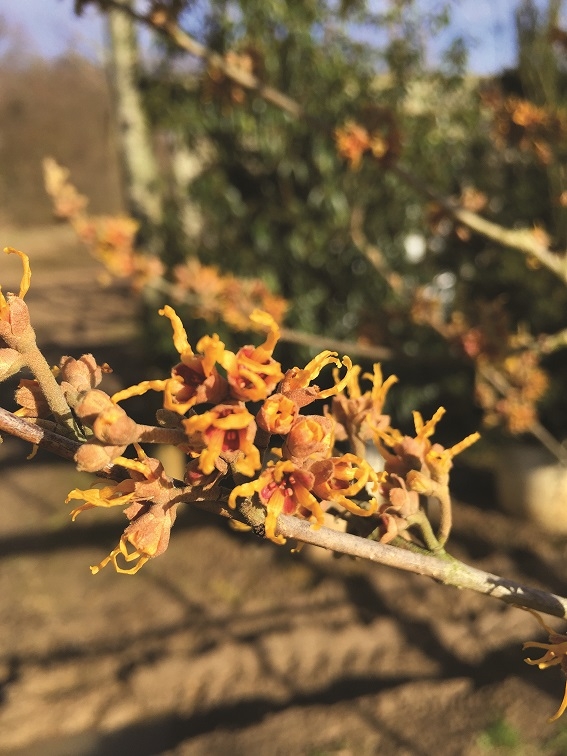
column 142, row 185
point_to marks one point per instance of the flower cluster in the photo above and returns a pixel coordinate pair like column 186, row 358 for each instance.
column 214, row 295
column 222, row 408
column 379, row 137
column 112, row 239
column 309, row 476
column 152, row 500
column 415, row 468
column 525, row 125
column 509, row 379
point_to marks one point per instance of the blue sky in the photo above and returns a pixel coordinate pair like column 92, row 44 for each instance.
column 49, row 28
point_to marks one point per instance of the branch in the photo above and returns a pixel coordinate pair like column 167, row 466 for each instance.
column 448, row 571
column 337, row 345
column 444, row 568
column 373, row 254
column 184, row 41
column 522, row 239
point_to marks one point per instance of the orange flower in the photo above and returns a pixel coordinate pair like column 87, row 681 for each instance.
column 357, row 413
column 153, row 502
column 352, row 141
column 311, row 437
column 418, row 453
column 14, row 315
column 111, row 240
column 67, row 201
column 148, row 533
column 252, row 372
column 555, row 655
column 227, row 429
column 295, row 383
column 338, row 478
column 194, row 380
column 439, row 460
column 277, row 414
column 282, row 488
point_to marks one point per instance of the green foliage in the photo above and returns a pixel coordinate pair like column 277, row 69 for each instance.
column 500, row 737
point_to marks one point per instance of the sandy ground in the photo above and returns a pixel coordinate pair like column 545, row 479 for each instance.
column 229, row 645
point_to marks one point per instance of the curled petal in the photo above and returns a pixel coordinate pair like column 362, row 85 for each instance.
column 180, row 341
column 108, row 496
column 339, row 478
column 26, row 275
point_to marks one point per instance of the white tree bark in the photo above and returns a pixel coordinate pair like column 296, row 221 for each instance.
column 142, row 184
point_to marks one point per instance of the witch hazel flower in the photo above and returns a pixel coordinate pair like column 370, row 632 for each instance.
column 277, row 414
column 296, row 383
column 282, row 487
column 21, row 348
column 252, row 372
column 194, row 380
column 416, row 468
column 227, row 431
column 339, row 479
column 359, row 414
column 153, row 500
column 15, row 325
column 311, row 437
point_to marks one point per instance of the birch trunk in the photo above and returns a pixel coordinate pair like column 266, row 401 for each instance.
column 141, row 179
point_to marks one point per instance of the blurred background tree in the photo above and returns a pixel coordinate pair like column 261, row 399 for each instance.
column 275, row 198
column 365, row 252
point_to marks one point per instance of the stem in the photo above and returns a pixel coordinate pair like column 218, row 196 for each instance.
column 446, row 515
column 420, row 519
column 52, row 391
column 153, row 434
column 451, row 572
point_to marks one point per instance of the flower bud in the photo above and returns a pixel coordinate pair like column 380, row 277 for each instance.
column 92, row 404
column 310, row 438
column 83, row 374
column 92, row 457
column 113, row 426
column 14, row 319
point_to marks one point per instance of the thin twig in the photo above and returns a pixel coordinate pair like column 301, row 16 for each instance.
column 373, row 254
column 522, row 239
column 538, row 431
column 337, row 345
column 185, row 42
column 449, row 572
